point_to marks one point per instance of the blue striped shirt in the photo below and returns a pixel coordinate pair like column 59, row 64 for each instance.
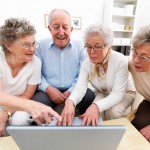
column 60, row 68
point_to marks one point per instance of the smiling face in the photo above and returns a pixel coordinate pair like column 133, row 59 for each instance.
column 99, row 52
column 142, row 65
column 60, row 28
column 23, row 49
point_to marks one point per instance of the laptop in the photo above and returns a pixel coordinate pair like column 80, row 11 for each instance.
column 75, row 137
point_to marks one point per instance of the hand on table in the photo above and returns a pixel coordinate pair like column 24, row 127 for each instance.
column 146, row 132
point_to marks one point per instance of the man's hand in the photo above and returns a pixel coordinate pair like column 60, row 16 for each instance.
column 146, row 132
column 66, row 94
column 55, row 95
column 3, row 119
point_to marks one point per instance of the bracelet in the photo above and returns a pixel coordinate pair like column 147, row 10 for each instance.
column 8, row 112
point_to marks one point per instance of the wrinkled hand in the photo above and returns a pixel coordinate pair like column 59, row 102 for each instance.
column 40, row 112
column 146, row 132
column 90, row 116
column 3, row 119
column 67, row 113
column 55, row 95
column 66, row 94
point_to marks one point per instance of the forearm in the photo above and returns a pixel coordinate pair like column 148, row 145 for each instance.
column 12, row 103
column 25, row 97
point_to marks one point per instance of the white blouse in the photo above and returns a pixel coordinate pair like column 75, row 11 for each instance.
column 114, row 86
column 29, row 75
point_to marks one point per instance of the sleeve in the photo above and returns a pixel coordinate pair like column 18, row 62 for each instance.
column 81, row 85
column 83, row 56
column 38, row 52
column 43, row 85
column 118, row 88
column 35, row 77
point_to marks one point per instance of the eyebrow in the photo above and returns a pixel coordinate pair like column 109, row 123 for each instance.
column 28, row 42
column 56, row 24
column 96, row 43
column 142, row 54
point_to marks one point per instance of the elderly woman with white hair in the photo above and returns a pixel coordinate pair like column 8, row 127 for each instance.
column 107, row 71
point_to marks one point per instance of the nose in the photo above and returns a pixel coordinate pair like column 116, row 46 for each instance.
column 61, row 31
column 32, row 48
column 92, row 50
column 136, row 60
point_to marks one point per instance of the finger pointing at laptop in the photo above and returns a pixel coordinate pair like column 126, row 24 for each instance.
column 42, row 113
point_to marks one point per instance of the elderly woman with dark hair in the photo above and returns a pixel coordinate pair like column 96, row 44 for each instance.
column 139, row 66
column 107, row 71
column 20, row 72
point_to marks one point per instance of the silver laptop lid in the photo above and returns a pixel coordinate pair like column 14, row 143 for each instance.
column 67, row 138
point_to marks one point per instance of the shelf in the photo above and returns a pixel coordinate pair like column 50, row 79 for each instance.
column 121, row 44
column 120, row 15
column 124, row 16
column 129, row 31
column 126, row 1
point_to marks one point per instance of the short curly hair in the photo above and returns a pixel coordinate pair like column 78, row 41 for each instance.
column 102, row 30
column 13, row 29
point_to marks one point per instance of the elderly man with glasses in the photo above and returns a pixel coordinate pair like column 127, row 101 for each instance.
column 139, row 66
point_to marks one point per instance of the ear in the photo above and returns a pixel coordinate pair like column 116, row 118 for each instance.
column 71, row 29
column 49, row 28
column 8, row 46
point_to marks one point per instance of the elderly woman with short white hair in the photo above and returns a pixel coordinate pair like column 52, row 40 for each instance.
column 107, row 71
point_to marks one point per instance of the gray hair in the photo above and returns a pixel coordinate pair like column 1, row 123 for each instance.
column 13, row 29
column 101, row 30
column 58, row 9
column 141, row 37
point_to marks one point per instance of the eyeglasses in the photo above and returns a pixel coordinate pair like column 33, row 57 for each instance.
column 140, row 57
column 28, row 46
column 95, row 47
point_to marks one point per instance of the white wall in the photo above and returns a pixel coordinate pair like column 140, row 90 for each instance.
column 143, row 14
column 91, row 11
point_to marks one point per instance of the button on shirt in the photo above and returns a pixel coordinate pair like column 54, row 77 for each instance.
column 60, row 67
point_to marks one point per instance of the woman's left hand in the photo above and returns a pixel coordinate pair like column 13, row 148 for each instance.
column 90, row 116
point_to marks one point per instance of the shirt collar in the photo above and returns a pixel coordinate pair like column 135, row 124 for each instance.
column 51, row 43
